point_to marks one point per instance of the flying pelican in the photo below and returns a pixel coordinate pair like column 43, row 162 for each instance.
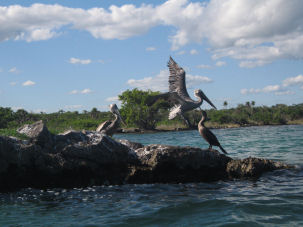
column 178, row 93
column 207, row 134
column 110, row 127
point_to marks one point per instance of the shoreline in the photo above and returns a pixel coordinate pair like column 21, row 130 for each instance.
column 224, row 126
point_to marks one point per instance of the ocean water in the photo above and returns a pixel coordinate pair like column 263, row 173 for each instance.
column 275, row 199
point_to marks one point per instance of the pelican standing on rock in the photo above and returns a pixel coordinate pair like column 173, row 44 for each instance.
column 178, row 94
column 110, row 127
column 207, row 134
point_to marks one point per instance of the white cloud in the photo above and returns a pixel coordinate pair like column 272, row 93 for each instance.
column 112, row 99
column 203, row 66
column 267, row 89
column 157, row 83
column 84, row 91
column 182, row 52
column 298, row 80
column 28, row 83
column 73, row 92
column 160, row 82
column 193, row 52
column 13, row 70
column 150, row 49
column 253, row 32
column 101, row 61
column 220, row 63
column 13, row 83
column 285, row 93
column 79, row 61
column 73, row 107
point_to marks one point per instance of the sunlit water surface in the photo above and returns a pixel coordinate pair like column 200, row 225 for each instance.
column 276, row 199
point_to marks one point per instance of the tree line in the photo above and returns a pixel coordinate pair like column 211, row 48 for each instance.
column 137, row 114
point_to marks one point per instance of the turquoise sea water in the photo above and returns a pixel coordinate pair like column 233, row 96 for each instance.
column 276, row 199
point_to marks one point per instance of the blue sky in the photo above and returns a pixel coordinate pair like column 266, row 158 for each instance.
column 76, row 55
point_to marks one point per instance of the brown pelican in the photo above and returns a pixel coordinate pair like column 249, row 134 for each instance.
column 110, row 127
column 207, row 134
column 178, row 93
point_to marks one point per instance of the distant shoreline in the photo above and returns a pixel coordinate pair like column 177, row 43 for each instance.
column 224, row 126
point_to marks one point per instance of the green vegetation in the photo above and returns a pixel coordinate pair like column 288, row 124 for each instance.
column 137, row 114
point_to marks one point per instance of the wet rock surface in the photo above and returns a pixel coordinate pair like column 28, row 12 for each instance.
column 77, row 159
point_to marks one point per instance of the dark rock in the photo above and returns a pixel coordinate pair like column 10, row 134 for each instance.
column 252, row 167
column 174, row 164
column 37, row 132
column 73, row 159
column 66, row 160
column 132, row 145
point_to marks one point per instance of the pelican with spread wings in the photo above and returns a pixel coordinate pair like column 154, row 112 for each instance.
column 178, row 93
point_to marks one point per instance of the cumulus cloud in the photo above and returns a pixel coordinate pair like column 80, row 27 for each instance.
column 13, row 70
column 203, row 66
column 73, row 107
column 150, row 49
column 157, row 83
column 277, row 89
column 112, row 99
column 193, row 52
column 73, row 92
column 285, row 92
column 28, row 83
column 79, row 61
column 253, row 32
column 84, row 91
column 182, row 52
column 220, row 63
column 269, row 88
column 298, row 80
column 160, row 81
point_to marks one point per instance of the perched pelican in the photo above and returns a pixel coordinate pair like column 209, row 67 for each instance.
column 110, row 127
column 178, row 93
column 207, row 134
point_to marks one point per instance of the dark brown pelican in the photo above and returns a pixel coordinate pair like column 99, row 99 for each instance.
column 207, row 134
column 178, row 93
column 110, row 127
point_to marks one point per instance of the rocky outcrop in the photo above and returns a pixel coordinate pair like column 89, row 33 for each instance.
column 252, row 167
column 76, row 159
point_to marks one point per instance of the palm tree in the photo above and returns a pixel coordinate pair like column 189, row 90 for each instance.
column 225, row 104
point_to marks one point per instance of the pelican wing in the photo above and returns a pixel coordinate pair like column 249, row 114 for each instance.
column 103, row 126
column 177, row 80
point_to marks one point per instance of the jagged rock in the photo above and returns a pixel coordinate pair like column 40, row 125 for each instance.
column 174, row 164
column 69, row 159
column 38, row 132
column 252, row 167
column 132, row 145
column 91, row 158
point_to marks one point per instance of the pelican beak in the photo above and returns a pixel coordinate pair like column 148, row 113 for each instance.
column 207, row 100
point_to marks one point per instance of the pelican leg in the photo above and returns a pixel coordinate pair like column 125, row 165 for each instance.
column 187, row 122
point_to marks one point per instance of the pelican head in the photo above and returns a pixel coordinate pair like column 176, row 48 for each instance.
column 199, row 94
column 204, row 116
column 114, row 109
